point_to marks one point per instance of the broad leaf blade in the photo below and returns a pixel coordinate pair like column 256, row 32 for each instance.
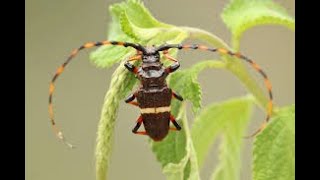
column 176, row 152
column 274, row 148
column 240, row 15
column 171, row 149
column 185, row 82
column 228, row 118
column 229, row 167
column 141, row 16
column 106, row 56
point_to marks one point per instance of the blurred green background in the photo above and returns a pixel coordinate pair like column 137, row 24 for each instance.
column 54, row 28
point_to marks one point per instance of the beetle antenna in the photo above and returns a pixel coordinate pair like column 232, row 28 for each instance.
column 242, row 57
column 57, row 131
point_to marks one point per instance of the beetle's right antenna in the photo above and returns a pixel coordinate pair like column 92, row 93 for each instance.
column 255, row 66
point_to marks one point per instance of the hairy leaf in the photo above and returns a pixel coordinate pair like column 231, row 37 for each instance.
column 121, row 83
column 106, row 56
column 274, row 148
column 185, row 82
column 176, row 153
column 132, row 22
column 229, row 119
column 240, row 15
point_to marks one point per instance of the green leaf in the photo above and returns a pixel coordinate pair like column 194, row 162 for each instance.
column 229, row 119
column 172, row 152
column 171, row 149
column 176, row 153
column 138, row 23
column 240, row 15
column 274, row 148
column 106, row 56
column 141, row 16
column 132, row 22
column 136, row 32
column 185, row 82
column 121, row 83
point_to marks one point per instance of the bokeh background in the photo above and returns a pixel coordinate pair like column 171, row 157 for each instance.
column 54, row 28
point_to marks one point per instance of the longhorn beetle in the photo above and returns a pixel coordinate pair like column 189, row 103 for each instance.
column 153, row 95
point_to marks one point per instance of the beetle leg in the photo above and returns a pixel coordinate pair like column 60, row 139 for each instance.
column 130, row 99
column 131, row 67
column 134, row 58
column 173, row 120
column 134, row 103
column 135, row 129
column 174, row 129
column 165, row 53
column 141, row 133
column 177, row 96
column 174, row 66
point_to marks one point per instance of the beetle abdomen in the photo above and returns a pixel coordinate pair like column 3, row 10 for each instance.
column 156, row 125
column 155, row 111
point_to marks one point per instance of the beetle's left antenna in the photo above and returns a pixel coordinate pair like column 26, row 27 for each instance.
column 57, row 131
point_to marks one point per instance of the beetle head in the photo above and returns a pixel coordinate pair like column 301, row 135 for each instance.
column 151, row 55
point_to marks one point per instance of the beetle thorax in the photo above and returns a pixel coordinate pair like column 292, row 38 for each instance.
column 152, row 73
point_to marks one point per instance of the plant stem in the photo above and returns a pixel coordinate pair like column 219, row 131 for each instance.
column 232, row 64
column 235, row 41
column 200, row 34
column 189, row 146
column 212, row 63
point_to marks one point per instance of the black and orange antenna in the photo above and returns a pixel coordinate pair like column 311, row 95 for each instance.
column 255, row 66
column 57, row 131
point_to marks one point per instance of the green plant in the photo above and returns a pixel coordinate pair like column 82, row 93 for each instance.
column 132, row 22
